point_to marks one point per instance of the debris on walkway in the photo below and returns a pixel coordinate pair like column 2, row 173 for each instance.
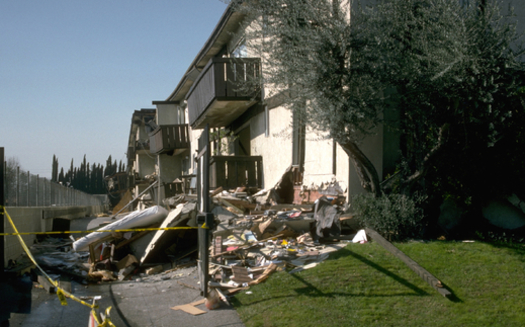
column 256, row 234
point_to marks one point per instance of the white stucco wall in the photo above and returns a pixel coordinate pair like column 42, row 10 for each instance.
column 319, row 160
column 170, row 166
column 276, row 149
column 144, row 164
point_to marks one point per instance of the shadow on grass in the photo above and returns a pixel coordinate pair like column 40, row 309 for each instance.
column 345, row 252
column 452, row 297
column 311, row 290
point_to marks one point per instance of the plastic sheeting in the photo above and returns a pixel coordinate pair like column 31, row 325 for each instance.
column 135, row 219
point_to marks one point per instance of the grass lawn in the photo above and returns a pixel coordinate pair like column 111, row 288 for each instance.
column 364, row 285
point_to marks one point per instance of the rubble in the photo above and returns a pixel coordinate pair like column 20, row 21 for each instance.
column 255, row 235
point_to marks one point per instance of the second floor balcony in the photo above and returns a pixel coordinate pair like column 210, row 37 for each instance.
column 220, row 94
column 172, row 139
column 231, row 172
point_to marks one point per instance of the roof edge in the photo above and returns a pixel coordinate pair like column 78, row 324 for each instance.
column 211, row 39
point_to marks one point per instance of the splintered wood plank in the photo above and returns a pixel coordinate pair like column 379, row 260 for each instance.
column 422, row 272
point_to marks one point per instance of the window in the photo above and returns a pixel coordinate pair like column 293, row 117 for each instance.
column 240, row 50
column 181, row 116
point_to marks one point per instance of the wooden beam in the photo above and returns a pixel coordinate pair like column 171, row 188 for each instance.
column 422, row 272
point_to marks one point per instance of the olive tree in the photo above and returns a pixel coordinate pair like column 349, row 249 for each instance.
column 339, row 64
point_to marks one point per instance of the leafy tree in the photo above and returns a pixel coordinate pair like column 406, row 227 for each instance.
column 87, row 178
column 12, row 164
column 109, row 167
column 61, row 177
column 448, row 70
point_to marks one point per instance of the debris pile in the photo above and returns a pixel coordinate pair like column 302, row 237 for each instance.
column 254, row 238
column 254, row 235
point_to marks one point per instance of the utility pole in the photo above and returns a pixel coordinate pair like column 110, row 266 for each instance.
column 205, row 219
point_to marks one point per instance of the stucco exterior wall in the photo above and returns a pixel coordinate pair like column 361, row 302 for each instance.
column 319, row 160
column 144, row 164
column 342, row 168
column 170, row 166
column 276, row 149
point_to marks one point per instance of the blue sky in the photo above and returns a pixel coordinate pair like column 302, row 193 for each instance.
column 72, row 72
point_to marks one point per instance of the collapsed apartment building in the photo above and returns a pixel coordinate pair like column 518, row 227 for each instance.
column 266, row 170
column 272, row 193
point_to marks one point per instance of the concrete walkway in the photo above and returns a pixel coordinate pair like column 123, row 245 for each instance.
column 143, row 301
column 138, row 303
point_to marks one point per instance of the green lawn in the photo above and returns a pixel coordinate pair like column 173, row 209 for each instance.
column 364, row 285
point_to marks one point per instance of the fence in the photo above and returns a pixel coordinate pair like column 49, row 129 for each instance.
column 23, row 189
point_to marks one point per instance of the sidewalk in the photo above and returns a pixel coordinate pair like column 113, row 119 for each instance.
column 141, row 302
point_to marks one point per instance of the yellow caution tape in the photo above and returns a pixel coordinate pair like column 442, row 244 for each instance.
column 99, row 231
column 61, row 296
column 61, row 293
column 106, row 321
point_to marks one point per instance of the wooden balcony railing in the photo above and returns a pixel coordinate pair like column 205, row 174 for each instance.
column 220, row 93
column 235, row 171
column 169, row 138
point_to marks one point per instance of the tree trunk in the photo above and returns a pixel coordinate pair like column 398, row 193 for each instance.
column 366, row 171
column 408, row 183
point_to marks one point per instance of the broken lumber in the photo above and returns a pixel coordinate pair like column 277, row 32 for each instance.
column 422, row 272
column 230, row 207
column 216, row 191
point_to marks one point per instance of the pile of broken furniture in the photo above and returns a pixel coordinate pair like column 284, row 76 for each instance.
column 254, row 236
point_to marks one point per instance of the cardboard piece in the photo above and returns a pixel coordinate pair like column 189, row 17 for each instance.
column 263, row 226
column 190, row 308
column 126, row 261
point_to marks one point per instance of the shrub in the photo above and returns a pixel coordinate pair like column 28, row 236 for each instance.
column 395, row 216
